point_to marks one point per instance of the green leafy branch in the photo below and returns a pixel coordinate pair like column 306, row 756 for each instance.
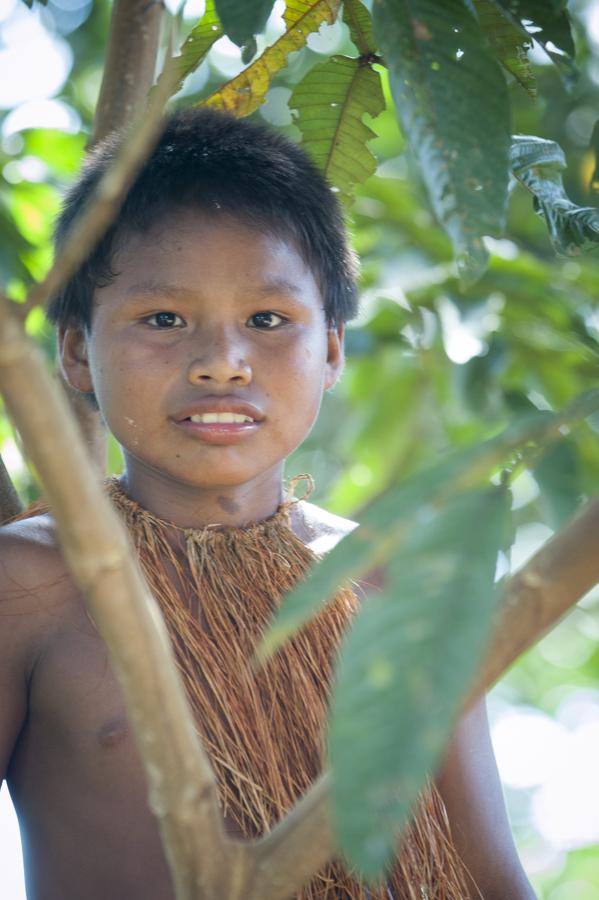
column 538, row 165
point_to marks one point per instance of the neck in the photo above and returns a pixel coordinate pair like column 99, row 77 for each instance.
column 194, row 506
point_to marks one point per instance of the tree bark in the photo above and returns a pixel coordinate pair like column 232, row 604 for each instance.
column 10, row 503
column 127, row 79
column 182, row 790
column 130, row 64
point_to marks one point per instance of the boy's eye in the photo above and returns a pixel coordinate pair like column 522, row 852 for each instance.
column 165, row 320
column 265, row 320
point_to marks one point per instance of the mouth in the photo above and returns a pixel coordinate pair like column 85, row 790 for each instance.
column 221, row 425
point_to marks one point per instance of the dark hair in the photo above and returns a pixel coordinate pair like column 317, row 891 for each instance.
column 209, row 160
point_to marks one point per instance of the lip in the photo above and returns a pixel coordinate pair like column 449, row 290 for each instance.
column 219, row 432
column 219, row 405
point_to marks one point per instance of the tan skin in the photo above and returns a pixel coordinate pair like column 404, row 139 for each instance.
column 66, row 748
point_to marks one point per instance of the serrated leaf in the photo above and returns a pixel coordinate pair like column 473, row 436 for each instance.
column 508, row 43
column 359, row 21
column 548, row 22
column 404, row 668
column 244, row 93
column 392, row 516
column 538, row 165
column 242, row 19
column 331, row 102
column 194, row 48
column 452, row 105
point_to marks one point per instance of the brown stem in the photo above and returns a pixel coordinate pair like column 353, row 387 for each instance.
column 130, row 64
column 300, row 845
column 182, row 789
column 10, row 504
column 538, row 596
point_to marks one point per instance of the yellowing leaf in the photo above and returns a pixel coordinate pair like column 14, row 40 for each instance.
column 244, row 93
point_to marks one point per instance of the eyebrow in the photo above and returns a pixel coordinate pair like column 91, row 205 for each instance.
column 273, row 287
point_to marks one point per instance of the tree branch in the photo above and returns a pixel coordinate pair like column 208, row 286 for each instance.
column 537, row 597
column 300, row 845
column 182, row 789
column 130, row 64
column 10, row 504
column 127, row 79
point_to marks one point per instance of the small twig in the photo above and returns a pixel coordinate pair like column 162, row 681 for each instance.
column 10, row 504
column 106, row 200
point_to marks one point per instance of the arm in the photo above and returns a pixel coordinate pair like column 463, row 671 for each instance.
column 21, row 623
column 469, row 784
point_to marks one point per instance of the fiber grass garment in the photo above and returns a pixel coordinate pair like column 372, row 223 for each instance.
column 217, row 587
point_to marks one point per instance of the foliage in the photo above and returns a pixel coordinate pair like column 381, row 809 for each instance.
column 243, row 94
column 331, row 102
column 391, row 661
column 538, row 165
column 433, row 366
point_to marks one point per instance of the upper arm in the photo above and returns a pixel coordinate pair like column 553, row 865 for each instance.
column 25, row 572
column 471, row 789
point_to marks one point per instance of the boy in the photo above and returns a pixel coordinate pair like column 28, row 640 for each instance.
column 206, row 326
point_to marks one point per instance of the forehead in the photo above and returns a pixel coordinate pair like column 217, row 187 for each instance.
column 212, row 251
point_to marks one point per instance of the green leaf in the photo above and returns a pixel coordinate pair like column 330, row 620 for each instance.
column 538, row 165
column 508, row 44
column 391, row 517
column 404, row 668
column 242, row 19
column 359, row 21
column 452, row 105
column 244, row 93
column 331, row 102
column 558, row 474
column 549, row 24
column 195, row 47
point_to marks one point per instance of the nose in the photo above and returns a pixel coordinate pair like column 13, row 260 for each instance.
column 219, row 357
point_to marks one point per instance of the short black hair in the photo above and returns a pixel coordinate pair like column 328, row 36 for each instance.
column 211, row 161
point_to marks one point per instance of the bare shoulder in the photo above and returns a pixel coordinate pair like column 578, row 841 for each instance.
column 319, row 529
column 34, row 580
column 29, row 555
column 322, row 530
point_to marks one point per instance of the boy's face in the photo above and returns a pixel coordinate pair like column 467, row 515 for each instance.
column 207, row 317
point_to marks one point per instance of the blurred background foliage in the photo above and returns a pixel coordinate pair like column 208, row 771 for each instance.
column 430, row 365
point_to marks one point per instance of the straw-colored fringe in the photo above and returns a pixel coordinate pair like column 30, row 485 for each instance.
column 264, row 732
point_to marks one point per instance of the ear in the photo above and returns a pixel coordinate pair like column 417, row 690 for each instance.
column 335, row 355
column 73, row 356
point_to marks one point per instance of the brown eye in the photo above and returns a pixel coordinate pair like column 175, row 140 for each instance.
column 165, row 320
column 265, row 321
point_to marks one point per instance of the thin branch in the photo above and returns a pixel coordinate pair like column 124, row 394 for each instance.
column 10, row 503
column 538, row 596
column 298, row 847
column 107, row 198
column 182, row 788
column 130, row 64
column 128, row 75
